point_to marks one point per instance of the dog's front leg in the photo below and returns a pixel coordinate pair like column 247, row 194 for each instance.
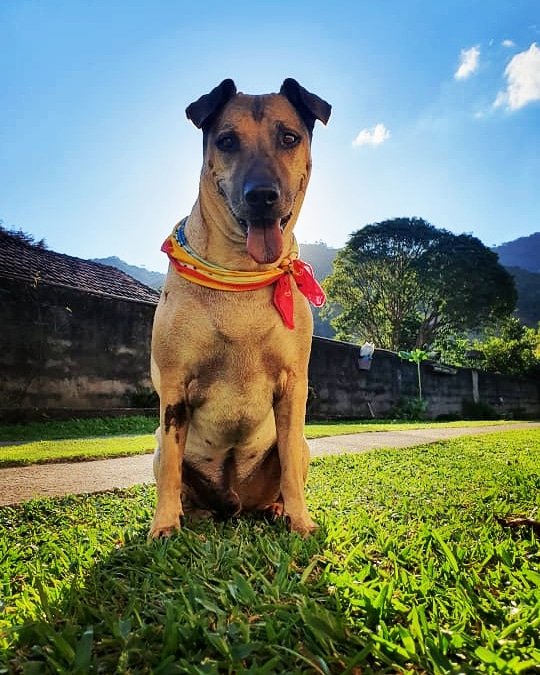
column 290, row 410
column 174, row 420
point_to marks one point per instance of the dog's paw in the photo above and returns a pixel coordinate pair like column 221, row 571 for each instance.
column 304, row 526
column 273, row 511
column 161, row 530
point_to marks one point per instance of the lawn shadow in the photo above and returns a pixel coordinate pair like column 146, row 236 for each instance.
column 236, row 596
column 408, row 543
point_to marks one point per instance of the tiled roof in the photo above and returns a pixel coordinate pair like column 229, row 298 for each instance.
column 20, row 260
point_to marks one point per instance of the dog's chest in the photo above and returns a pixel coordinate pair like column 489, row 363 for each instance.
column 231, row 385
column 232, row 354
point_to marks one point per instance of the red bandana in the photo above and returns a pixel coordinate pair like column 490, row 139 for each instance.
column 194, row 268
column 302, row 273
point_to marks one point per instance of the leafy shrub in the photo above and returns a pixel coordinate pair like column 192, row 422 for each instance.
column 143, row 397
column 509, row 348
column 478, row 410
column 409, row 409
column 448, row 417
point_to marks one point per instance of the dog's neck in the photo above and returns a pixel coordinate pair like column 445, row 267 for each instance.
column 214, row 235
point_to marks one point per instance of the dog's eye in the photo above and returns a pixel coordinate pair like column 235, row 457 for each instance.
column 227, row 142
column 289, row 139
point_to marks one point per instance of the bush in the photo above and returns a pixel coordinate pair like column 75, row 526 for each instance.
column 479, row 410
column 510, row 349
column 144, row 397
column 448, row 417
column 409, row 409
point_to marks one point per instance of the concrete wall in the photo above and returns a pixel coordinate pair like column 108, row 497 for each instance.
column 339, row 388
column 61, row 348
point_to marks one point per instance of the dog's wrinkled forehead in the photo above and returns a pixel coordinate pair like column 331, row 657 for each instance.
column 247, row 112
column 310, row 107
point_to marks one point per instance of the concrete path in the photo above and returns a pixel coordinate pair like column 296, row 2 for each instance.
column 372, row 440
column 19, row 484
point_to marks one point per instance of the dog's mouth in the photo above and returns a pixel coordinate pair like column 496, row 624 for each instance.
column 264, row 238
column 263, row 231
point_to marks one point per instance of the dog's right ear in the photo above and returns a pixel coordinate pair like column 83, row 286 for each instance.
column 309, row 106
column 202, row 111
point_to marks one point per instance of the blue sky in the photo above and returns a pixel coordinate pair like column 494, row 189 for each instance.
column 436, row 113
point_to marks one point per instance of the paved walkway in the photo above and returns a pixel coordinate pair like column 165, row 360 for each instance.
column 19, row 484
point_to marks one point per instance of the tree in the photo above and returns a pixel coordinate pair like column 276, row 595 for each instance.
column 511, row 348
column 416, row 356
column 23, row 237
column 403, row 284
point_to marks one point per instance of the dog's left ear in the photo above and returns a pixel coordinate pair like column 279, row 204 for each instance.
column 309, row 106
column 202, row 111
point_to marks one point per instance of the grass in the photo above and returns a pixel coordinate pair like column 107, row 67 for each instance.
column 60, row 447
column 410, row 572
column 78, row 428
column 78, row 449
column 321, row 429
column 139, row 424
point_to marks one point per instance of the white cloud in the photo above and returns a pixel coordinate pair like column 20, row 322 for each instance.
column 508, row 43
column 469, row 61
column 374, row 136
column 523, row 80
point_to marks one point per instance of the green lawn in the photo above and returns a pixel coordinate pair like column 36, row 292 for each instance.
column 321, row 429
column 140, row 425
column 77, row 449
column 78, row 428
column 410, row 572
column 59, row 448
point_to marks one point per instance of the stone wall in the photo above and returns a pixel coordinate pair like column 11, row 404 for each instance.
column 339, row 388
column 62, row 348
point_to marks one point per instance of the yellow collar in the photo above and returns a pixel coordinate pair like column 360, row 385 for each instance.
column 192, row 267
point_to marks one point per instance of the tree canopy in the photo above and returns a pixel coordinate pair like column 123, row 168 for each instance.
column 21, row 236
column 510, row 348
column 404, row 283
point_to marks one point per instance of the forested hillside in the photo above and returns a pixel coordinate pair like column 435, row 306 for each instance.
column 152, row 279
column 528, row 288
column 521, row 257
column 523, row 252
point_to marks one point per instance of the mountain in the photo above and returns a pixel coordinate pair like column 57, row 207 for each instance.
column 152, row 279
column 521, row 257
column 528, row 288
column 320, row 257
column 523, row 252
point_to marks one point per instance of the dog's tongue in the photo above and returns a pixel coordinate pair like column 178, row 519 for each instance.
column 265, row 242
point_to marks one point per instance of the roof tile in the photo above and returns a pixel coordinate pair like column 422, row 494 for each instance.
column 21, row 260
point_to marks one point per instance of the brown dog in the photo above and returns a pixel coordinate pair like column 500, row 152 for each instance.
column 230, row 371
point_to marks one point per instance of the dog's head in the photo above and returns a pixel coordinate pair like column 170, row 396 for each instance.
column 257, row 158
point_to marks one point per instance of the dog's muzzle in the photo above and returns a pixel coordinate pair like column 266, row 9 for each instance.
column 264, row 222
column 261, row 198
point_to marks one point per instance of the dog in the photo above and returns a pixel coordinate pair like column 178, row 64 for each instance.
column 231, row 367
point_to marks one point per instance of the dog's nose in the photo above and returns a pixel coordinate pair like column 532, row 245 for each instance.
column 260, row 196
